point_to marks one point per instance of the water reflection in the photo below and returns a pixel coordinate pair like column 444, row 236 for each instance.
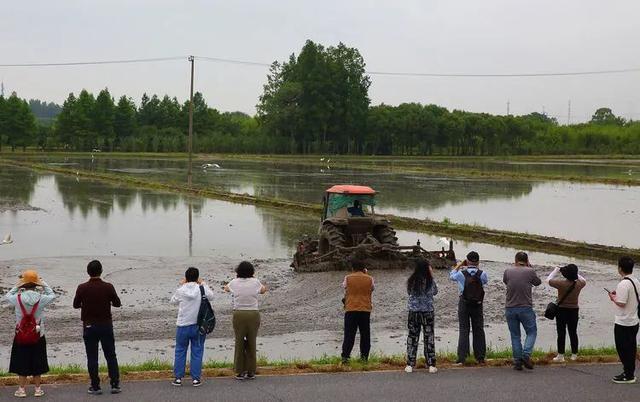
column 84, row 217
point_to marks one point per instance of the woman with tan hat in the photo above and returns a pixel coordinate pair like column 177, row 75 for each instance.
column 29, row 350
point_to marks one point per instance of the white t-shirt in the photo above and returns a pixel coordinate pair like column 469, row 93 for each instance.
column 245, row 293
column 188, row 298
column 628, row 315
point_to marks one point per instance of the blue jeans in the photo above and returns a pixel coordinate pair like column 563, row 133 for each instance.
column 184, row 336
column 527, row 317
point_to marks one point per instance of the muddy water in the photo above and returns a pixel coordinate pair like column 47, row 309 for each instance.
column 595, row 213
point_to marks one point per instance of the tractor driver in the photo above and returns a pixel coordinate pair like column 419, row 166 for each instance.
column 356, row 209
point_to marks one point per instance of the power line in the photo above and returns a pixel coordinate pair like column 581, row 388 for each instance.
column 492, row 75
column 384, row 73
column 97, row 62
column 232, row 61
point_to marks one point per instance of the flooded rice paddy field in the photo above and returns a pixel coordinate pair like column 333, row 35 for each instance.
column 146, row 240
column 594, row 213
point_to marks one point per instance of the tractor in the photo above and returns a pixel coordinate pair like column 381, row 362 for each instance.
column 350, row 228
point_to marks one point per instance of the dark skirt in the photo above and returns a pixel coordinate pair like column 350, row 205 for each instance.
column 29, row 360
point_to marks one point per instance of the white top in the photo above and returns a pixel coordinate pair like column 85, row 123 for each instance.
column 245, row 293
column 628, row 315
column 188, row 298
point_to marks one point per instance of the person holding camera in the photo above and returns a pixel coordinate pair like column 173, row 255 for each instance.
column 245, row 289
column 187, row 297
column 471, row 281
column 358, row 288
column 626, row 299
column 421, row 288
column 29, row 349
column 569, row 285
column 520, row 278
column 95, row 298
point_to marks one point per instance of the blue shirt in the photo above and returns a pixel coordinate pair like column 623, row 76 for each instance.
column 423, row 301
column 458, row 276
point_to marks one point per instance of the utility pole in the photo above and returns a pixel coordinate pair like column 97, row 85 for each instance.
column 569, row 113
column 191, row 60
column 508, row 104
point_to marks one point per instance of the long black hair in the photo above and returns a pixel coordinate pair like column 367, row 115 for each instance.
column 421, row 278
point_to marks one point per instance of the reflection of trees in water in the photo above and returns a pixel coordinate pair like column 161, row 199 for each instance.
column 86, row 196
column 404, row 192
column 282, row 229
column 17, row 185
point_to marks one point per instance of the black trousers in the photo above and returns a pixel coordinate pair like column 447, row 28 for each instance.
column 626, row 345
column 471, row 318
column 102, row 334
column 567, row 318
column 356, row 321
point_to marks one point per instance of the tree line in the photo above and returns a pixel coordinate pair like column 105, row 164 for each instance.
column 314, row 102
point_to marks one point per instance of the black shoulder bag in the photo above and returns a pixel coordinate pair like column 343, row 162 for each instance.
column 637, row 296
column 206, row 315
column 552, row 308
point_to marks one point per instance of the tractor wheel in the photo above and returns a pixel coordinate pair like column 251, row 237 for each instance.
column 331, row 236
column 385, row 235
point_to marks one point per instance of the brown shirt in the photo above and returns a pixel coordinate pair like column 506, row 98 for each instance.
column 95, row 298
column 358, row 288
column 563, row 285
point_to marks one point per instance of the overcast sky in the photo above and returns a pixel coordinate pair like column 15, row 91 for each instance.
column 448, row 36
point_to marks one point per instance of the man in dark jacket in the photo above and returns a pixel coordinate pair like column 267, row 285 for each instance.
column 95, row 298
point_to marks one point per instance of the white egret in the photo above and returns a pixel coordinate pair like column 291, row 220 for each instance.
column 7, row 239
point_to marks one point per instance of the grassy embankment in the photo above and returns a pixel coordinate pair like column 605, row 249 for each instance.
column 481, row 234
column 158, row 369
column 402, row 164
column 411, row 165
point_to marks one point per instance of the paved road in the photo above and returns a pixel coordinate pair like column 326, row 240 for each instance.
column 571, row 383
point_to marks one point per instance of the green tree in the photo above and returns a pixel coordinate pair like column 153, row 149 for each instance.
column 19, row 122
column 124, row 120
column 605, row 116
column 102, row 117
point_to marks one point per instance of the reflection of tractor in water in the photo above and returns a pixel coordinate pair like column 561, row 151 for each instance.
column 350, row 228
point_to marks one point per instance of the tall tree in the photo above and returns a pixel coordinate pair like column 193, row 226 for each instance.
column 124, row 122
column 103, row 120
column 19, row 122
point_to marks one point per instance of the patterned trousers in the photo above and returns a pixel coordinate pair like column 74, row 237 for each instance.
column 421, row 320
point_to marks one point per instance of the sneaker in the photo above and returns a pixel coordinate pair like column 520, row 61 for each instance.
column 345, row 361
column 364, row 359
column 115, row 388
column 559, row 358
column 177, row 382
column 38, row 392
column 408, row 369
column 240, row 377
column 526, row 361
column 94, row 391
column 250, row 376
column 196, row 383
column 20, row 393
column 574, row 357
column 482, row 362
column 458, row 363
column 623, row 379
column 517, row 365
column 433, row 369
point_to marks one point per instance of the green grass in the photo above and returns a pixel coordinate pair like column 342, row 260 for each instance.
column 327, row 363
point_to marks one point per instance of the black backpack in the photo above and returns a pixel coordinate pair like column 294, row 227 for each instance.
column 473, row 292
column 206, row 315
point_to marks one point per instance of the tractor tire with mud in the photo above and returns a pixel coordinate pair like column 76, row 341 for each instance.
column 331, row 236
column 385, row 235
